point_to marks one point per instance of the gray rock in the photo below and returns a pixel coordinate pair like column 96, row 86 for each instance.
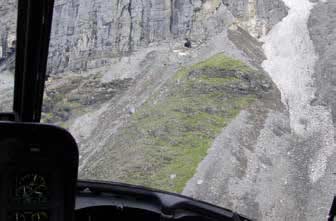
column 87, row 33
column 322, row 26
column 131, row 110
column 8, row 11
column 257, row 16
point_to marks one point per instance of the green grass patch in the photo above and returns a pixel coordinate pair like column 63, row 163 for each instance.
column 217, row 80
column 219, row 61
column 175, row 130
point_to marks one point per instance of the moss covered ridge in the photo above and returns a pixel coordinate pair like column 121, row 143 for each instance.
column 175, row 128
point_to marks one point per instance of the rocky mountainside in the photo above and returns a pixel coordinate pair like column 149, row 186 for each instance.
column 86, row 33
column 321, row 25
column 207, row 121
column 8, row 16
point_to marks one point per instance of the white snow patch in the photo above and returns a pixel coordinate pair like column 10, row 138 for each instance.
column 291, row 61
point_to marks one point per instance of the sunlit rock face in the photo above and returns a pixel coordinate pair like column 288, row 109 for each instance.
column 256, row 16
column 7, row 32
column 86, row 33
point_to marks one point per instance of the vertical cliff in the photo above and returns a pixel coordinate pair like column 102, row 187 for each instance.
column 8, row 16
column 87, row 33
column 257, row 16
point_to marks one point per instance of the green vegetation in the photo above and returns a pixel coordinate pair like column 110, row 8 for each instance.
column 177, row 126
column 77, row 95
column 219, row 61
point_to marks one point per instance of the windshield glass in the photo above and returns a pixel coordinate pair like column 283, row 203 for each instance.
column 228, row 101
column 8, row 15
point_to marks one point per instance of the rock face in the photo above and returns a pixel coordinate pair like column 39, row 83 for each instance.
column 87, row 33
column 323, row 34
column 257, row 16
column 8, row 11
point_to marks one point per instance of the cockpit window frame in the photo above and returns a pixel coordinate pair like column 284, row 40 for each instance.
column 33, row 35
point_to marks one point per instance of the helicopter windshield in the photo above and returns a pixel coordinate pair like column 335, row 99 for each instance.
column 231, row 102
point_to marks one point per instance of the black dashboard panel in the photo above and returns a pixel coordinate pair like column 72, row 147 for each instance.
column 104, row 201
column 38, row 172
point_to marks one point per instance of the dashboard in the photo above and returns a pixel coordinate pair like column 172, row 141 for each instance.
column 38, row 173
column 102, row 201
